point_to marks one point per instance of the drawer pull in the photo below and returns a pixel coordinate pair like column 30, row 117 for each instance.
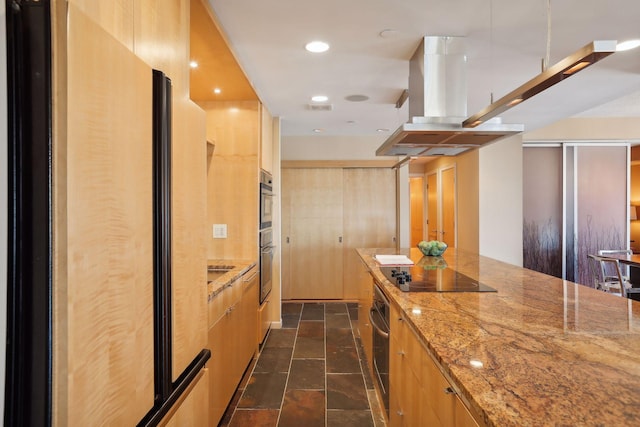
column 449, row 390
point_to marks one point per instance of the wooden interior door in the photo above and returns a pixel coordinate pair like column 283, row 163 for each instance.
column 369, row 218
column 448, row 234
column 416, row 198
column 315, row 234
column 287, row 187
column 448, row 186
column 432, row 206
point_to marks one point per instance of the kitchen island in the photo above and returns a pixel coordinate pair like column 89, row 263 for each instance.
column 539, row 351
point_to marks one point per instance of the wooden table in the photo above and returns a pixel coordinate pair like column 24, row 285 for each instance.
column 632, row 260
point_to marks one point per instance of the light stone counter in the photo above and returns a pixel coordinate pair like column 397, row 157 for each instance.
column 214, row 287
column 554, row 353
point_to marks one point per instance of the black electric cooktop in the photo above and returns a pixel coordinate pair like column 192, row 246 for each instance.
column 417, row 279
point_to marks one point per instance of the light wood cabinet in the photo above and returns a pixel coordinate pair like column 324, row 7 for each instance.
column 264, row 321
column 326, row 214
column 232, row 340
column 192, row 409
column 232, row 178
column 266, row 140
column 365, row 299
column 419, row 392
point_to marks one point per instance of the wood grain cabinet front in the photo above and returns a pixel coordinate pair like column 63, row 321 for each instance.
column 419, row 392
column 232, row 341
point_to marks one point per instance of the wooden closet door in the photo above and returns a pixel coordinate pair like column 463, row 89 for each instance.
column 315, row 233
column 288, row 178
column 369, row 218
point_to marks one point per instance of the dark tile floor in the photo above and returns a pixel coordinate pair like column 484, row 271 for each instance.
column 309, row 373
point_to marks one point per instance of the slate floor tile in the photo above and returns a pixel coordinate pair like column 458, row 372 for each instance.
column 343, row 360
column 303, row 408
column 340, row 338
column 281, row 338
column 339, row 320
column 309, row 374
column 291, row 308
column 255, row 418
column 306, row 374
column 311, row 329
column 264, row 391
column 309, row 348
column 341, row 418
column 335, row 308
column 312, row 311
column 346, row 391
column 274, row 359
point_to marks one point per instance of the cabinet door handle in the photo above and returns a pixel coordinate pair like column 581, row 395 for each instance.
column 449, row 390
column 287, row 239
column 340, row 239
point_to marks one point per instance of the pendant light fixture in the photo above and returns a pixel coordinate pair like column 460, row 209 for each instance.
column 567, row 67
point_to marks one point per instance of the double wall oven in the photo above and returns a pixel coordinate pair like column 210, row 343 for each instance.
column 266, row 234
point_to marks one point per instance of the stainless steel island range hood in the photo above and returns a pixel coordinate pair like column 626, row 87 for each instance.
column 438, row 106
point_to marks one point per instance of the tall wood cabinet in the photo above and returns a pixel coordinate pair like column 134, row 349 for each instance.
column 326, row 214
column 103, row 353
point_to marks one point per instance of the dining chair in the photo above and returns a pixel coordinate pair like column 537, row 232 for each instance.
column 612, row 283
column 623, row 269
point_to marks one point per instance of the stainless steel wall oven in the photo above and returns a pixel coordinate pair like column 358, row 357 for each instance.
column 266, row 200
column 266, row 262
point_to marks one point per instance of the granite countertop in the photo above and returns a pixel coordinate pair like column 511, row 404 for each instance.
column 214, row 287
column 553, row 352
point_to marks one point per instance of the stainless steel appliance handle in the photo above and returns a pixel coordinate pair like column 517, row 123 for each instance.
column 255, row 273
column 375, row 326
column 267, row 249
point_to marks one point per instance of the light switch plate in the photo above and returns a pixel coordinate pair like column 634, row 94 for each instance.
column 219, row 231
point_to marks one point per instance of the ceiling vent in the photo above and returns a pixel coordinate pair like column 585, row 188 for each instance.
column 320, row 107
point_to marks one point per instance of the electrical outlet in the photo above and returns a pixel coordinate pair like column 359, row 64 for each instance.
column 219, row 231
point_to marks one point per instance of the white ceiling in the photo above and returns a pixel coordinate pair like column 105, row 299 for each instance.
column 506, row 41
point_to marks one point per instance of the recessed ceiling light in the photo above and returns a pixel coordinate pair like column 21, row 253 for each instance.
column 382, row 130
column 320, row 98
column 317, row 46
column 217, row 90
column 318, row 130
column 193, row 64
column 628, row 45
column 356, row 98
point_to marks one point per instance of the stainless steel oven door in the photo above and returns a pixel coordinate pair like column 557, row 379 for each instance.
column 379, row 318
column 266, row 200
column 266, row 263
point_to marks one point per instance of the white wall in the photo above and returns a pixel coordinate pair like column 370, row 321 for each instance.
column 500, row 213
column 331, row 148
column 3, row 204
